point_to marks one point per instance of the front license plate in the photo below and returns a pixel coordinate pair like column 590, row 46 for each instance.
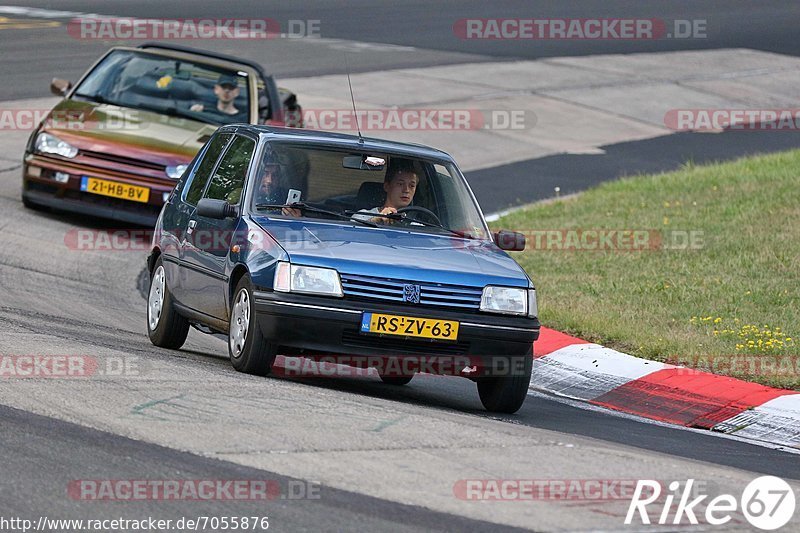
column 406, row 326
column 114, row 189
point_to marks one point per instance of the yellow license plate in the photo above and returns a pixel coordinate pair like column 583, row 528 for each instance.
column 115, row 190
column 406, row 326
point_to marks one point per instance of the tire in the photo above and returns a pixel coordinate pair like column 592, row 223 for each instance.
column 506, row 394
column 249, row 350
column 396, row 380
column 165, row 327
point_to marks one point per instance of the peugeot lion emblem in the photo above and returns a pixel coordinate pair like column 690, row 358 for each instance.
column 411, row 293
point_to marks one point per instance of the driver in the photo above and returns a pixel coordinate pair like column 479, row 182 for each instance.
column 400, row 185
column 226, row 90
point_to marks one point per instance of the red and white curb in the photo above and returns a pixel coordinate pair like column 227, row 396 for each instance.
column 571, row 367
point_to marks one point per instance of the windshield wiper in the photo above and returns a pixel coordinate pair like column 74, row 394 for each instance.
column 405, row 216
column 96, row 98
column 440, row 226
column 305, row 207
column 175, row 111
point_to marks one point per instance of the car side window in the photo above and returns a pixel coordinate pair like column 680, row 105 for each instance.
column 228, row 180
column 203, row 172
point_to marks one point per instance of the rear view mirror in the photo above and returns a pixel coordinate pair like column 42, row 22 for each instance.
column 511, row 241
column 363, row 162
column 218, row 209
column 60, row 87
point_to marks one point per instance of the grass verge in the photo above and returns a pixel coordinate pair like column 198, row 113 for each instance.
column 704, row 268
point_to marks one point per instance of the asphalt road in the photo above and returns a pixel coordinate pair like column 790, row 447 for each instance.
column 379, row 453
column 413, row 33
column 386, row 458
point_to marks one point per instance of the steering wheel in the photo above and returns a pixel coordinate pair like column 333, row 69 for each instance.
column 422, row 210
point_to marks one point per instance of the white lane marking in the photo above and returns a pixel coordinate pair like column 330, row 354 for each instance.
column 587, row 371
column 36, row 12
column 777, row 420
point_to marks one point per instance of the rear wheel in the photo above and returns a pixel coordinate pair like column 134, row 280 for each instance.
column 506, row 394
column 250, row 351
column 165, row 327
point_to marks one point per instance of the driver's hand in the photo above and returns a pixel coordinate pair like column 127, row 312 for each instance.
column 196, row 107
column 387, row 211
column 291, row 212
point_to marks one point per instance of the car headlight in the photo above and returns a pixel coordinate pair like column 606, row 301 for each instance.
column 307, row 280
column 50, row 144
column 506, row 300
column 175, row 172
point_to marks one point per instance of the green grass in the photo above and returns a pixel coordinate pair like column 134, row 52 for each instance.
column 665, row 304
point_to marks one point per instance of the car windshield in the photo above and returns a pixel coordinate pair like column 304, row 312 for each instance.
column 375, row 188
column 170, row 86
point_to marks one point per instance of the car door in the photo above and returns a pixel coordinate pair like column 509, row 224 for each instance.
column 206, row 249
column 184, row 220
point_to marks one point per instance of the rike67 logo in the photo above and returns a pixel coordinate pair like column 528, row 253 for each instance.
column 768, row 503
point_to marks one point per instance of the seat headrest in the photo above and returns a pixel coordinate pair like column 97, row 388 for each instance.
column 370, row 194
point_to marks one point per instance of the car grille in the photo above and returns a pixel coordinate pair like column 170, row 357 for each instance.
column 454, row 297
column 112, row 158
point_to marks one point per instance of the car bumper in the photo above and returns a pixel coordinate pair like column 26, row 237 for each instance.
column 40, row 187
column 316, row 326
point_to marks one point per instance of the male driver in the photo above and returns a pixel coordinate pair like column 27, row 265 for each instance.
column 400, row 185
column 226, row 90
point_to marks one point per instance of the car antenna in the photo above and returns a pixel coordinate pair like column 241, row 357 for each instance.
column 352, row 98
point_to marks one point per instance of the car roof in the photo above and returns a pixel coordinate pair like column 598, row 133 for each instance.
column 339, row 140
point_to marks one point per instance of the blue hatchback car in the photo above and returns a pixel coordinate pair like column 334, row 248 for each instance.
column 322, row 245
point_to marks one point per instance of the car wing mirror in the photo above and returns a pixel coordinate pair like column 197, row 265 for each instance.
column 511, row 241
column 60, row 87
column 219, row 209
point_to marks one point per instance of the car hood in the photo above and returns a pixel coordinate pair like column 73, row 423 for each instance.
column 133, row 133
column 394, row 253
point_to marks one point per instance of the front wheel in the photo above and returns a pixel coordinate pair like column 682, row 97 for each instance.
column 249, row 350
column 506, row 394
column 165, row 327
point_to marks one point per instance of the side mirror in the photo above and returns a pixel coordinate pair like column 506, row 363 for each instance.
column 219, row 209
column 510, row 241
column 60, row 87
